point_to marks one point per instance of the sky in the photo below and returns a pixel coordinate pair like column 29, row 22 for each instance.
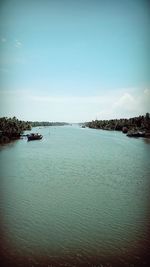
column 74, row 60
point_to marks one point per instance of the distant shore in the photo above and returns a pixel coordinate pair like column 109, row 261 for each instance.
column 133, row 127
column 12, row 128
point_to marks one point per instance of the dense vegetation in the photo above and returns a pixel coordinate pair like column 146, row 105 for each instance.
column 141, row 123
column 12, row 128
column 47, row 123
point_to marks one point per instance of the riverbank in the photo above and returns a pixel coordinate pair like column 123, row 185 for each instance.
column 133, row 127
column 12, row 128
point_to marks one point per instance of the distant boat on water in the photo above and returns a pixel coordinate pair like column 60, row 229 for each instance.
column 34, row 136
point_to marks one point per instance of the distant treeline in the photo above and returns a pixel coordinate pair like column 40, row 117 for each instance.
column 141, row 123
column 47, row 123
column 12, row 128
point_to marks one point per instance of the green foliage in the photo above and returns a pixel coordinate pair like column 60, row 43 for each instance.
column 136, row 123
column 47, row 123
column 12, row 128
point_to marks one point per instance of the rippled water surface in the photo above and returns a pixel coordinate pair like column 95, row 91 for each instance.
column 78, row 197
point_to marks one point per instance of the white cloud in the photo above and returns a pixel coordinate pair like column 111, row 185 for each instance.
column 126, row 102
column 129, row 104
column 72, row 99
column 105, row 114
column 18, row 44
column 29, row 105
column 147, row 92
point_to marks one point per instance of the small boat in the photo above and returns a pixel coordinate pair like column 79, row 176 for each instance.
column 34, row 136
column 124, row 129
column 136, row 134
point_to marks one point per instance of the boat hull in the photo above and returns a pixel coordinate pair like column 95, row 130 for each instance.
column 33, row 137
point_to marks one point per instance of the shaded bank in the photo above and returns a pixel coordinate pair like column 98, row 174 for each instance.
column 12, row 128
column 47, row 123
column 134, row 127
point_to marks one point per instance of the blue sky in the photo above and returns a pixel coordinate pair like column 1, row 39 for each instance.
column 74, row 60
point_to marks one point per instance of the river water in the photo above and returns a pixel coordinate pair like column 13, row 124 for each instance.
column 78, row 197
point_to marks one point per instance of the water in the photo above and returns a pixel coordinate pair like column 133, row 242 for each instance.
column 79, row 197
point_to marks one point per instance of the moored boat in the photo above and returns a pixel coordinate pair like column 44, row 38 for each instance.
column 136, row 134
column 34, row 136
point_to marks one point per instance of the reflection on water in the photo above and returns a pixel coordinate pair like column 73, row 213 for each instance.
column 78, row 197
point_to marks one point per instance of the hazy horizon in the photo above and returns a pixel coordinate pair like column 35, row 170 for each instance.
column 74, row 61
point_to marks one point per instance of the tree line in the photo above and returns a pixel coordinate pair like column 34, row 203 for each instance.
column 47, row 123
column 141, row 123
column 12, row 128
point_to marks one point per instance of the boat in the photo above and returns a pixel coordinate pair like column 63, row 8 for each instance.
column 34, row 136
column 125, row 130
column 136, row 134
